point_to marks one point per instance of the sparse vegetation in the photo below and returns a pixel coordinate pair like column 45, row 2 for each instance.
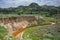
column 3, row 32
column 45, row 30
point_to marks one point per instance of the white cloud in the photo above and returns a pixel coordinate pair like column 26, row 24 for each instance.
column 11, row 3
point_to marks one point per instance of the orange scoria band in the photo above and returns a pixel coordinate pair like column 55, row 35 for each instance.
column 18, row 32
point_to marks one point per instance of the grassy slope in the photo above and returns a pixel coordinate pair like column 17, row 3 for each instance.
column 8, row 15
column 38, row 32
column 43, row 32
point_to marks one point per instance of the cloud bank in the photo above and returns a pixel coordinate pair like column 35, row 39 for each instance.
column 15, row 3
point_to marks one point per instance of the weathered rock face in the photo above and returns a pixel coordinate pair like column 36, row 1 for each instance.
column 17, row 19
column 13, row 23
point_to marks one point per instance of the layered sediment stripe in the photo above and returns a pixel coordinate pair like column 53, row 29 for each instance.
column 18, row 32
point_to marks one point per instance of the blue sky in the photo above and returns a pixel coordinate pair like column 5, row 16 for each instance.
column 15, row 3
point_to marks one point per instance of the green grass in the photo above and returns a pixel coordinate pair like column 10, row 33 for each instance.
column 8, row 15
column 29, row 15
column 41, row 33
column 29, row 34
column 46, row 20
column 3, row 32
column 16, row 15
column 34, row 33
